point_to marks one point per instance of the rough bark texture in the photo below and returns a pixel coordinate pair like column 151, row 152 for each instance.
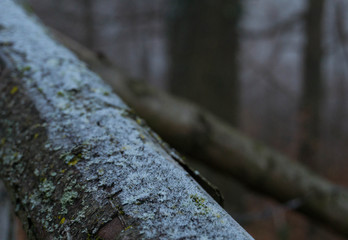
column 201, row 135
column 77, row 161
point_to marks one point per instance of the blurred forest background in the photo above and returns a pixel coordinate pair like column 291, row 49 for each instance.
column 275, row 69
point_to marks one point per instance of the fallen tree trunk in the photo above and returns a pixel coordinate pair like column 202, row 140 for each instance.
column 77, row 162
column 199, row 134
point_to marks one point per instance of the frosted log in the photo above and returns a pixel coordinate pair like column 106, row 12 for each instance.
column 204, row 137
column 78, row 163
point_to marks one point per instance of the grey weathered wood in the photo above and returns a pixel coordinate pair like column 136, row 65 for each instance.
column 77, row 162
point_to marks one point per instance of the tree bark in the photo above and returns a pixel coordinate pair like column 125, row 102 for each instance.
column 88, row 22
column 6, row 217
column 78, row 163
column 312, row 85
column 201, row 135
column 203, row 50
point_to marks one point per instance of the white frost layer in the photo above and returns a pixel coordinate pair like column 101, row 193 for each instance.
column 78, row 106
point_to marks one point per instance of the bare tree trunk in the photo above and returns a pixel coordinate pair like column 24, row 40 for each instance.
column 6, row 220
column 312, row 87
column 89, row 23
column 203, row 44
column 78, row 163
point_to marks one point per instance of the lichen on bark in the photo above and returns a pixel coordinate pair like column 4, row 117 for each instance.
column 76, row 164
